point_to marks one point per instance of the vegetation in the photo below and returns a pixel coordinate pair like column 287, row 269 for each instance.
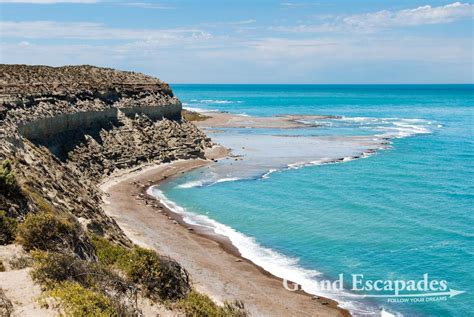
column 8, row 228
column 6, row 306
column 66, row 277
column 111, row 254
column 109, row 286
column 2, row 267
column 39, row 201
column 196, row 304
column 48, row 231
column 144, row 269
column 193, row 116
column 75, row 300
column 7, row 178
column 159, row 277
column 20, row 262
column 51, row 268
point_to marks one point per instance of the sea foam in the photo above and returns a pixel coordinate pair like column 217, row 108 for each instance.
column 277, row 264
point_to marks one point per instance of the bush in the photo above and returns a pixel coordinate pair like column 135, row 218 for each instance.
column 20, row 262
column 6, row 306
column 193, row 116
column 160, row 277
column 8, row 228
column 174, row 280
column 112, row 254
column 48, row 232
column 7, row 178
column 144, row 269
column 75, row 300
column 196, row 304
column 52, row 268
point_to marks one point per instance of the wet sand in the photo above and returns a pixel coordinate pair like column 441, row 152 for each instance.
column 227, row 120
column 215, row 266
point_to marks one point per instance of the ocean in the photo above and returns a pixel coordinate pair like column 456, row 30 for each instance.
column 312, row 203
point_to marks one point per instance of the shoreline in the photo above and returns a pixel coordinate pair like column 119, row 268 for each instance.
column 262, row 293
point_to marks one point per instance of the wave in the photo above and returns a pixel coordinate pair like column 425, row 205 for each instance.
column 390, row 127
column 324, row 161
column 200, row 110
column 215, row 101
column 267, row 174
column 193, row 184
column 270, row 260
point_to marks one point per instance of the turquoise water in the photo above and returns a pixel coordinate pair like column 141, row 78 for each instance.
column 402, row 212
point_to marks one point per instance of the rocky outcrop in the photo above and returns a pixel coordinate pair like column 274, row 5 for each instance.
column 136, row 141
column 66, row 128
column 48, row 96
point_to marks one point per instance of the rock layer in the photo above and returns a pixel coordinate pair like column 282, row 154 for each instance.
column 66, row 128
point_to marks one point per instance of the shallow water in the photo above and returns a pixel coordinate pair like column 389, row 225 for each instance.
column 397, row 214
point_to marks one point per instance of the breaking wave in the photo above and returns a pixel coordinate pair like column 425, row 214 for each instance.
column 272, row 261
column 214, row 101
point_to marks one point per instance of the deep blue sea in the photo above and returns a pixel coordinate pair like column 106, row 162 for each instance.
column 404, row 211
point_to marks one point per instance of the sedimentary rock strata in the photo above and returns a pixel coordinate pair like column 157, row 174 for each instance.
column 66, row 128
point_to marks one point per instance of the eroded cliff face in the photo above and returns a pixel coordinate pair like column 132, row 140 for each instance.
column 66, row 128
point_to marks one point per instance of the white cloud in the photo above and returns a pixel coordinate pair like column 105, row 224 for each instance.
column 373, row 21
column 47, row 1
column 147, row 5
column 265, row 60
column 418, row 16
column 250, row 21
column 194, row 54
column 296, row 4
column 93, row 31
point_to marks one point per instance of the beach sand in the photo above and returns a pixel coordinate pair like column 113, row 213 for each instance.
column 227, row 120
column 213, row 263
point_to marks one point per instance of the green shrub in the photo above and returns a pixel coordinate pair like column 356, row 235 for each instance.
column 235, row 309
column 8, row 228
column 193, row 116
column 197, row 305
column 20, row 262
column 144, row 269
column 174, row 280
column 51, row 268
column 39, row 201
column 7, row 178
column 48, row 232
column 112, row 254
column 75, row 300
column 160, row 277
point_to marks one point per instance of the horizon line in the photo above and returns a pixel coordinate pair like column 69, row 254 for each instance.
column 325, row 84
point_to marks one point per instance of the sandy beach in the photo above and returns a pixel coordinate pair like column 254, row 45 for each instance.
column 216, row 267
column 227, row 120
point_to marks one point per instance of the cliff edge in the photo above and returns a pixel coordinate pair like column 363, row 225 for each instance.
column 62, row 130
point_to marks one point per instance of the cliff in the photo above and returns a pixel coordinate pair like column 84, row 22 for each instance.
column 62, row 130
column 71, row 126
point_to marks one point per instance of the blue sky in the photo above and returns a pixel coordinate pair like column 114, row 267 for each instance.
column 183, row 41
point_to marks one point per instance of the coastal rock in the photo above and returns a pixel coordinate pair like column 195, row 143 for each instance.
column 67, row 128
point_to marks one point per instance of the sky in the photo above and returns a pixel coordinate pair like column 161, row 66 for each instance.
column 245, row 41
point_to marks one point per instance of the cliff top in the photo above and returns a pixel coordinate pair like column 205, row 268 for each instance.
column 34, row 80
